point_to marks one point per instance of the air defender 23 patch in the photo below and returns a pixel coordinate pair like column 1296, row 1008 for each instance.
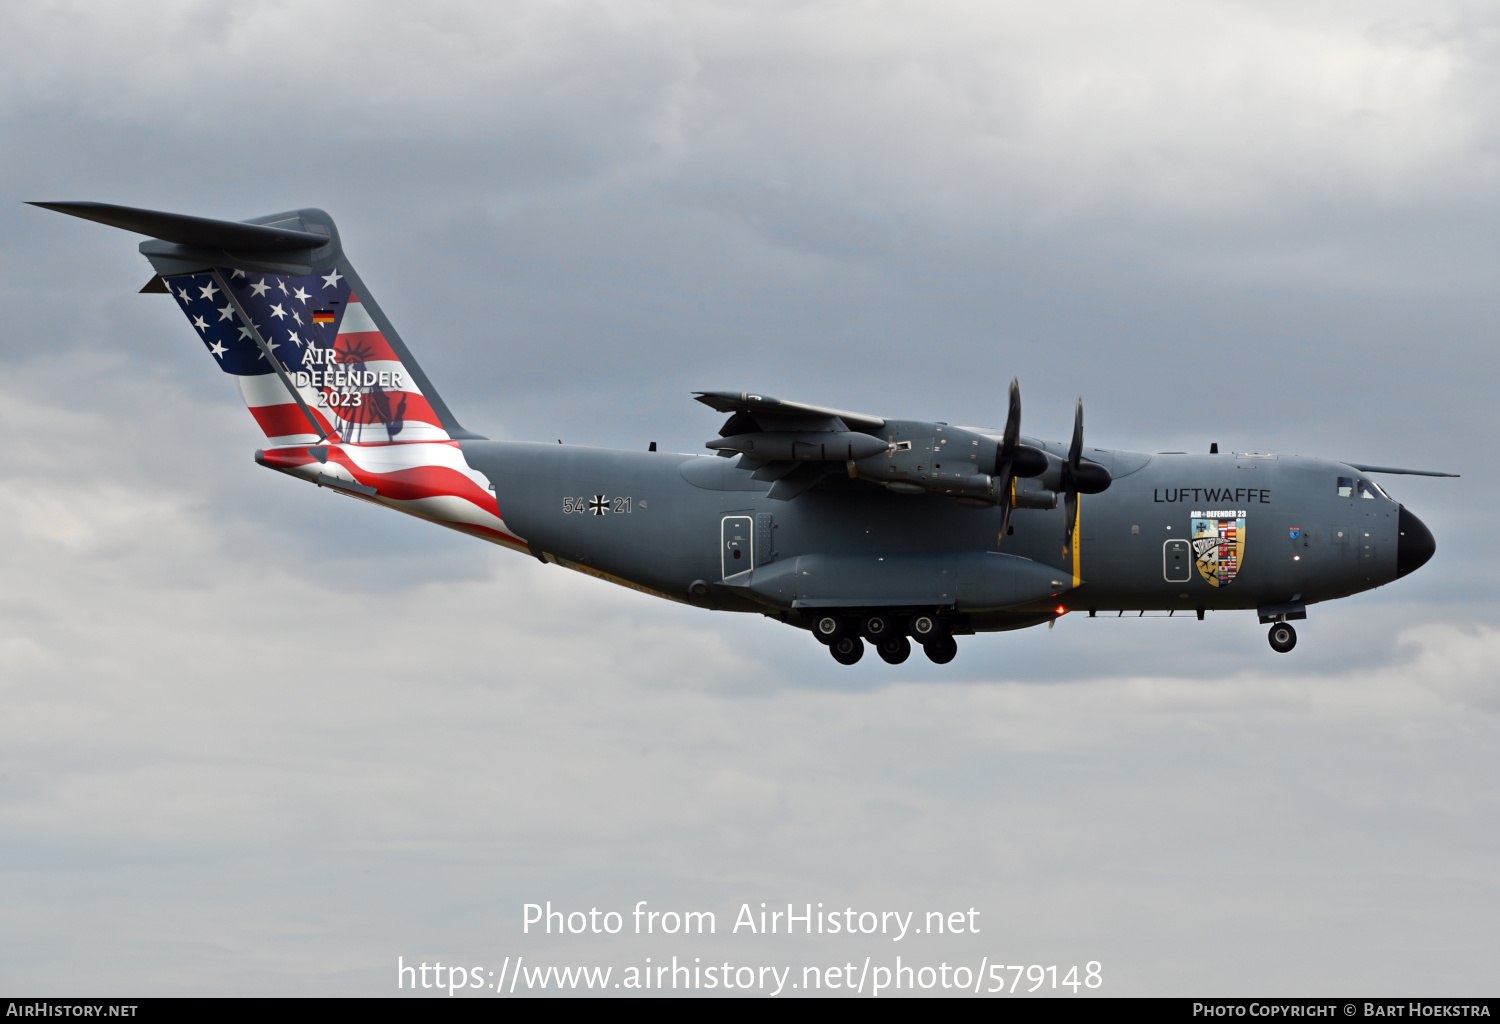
column 1219, row 545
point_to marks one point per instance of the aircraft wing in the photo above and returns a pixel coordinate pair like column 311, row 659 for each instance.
column 790, row 443
column 1395, row 471
column 765, row 405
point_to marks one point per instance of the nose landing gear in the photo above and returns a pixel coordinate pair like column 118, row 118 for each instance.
column 1282, row 637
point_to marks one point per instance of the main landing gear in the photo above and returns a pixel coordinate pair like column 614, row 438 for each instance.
column 894, row 650
column 846, row 650
column 845, row 636
column 1282, row 637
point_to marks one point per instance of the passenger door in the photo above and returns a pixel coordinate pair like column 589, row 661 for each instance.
column 1177, row 561
column 737, row 545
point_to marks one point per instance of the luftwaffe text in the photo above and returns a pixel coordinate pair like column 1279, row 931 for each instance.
column 1204, row 495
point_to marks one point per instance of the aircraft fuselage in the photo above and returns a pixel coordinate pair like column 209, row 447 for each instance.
column 657, row 521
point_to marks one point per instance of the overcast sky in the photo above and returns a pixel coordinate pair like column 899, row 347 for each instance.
column 259, row 739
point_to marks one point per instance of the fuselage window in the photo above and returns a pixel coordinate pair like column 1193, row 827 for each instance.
column 1366, row 489
column 1346, row 487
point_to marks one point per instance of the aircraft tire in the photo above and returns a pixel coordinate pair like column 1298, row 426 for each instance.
column 893, row 650
column 847, row 650
column 924, row 627
column 828, row 628
column 1282, row 637
column 941, row 650
column 877, row 627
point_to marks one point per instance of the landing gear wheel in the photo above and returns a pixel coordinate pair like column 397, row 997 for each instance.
column 877, row 627
column 941, row 650
column 828, row 628
column 847, row 650
column 1283, row 637
column 893, row 650
column 924, row 627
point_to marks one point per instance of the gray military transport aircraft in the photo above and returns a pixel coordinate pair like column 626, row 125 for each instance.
column 852, row 526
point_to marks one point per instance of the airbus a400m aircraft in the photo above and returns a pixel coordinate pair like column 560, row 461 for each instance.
column 858, row 528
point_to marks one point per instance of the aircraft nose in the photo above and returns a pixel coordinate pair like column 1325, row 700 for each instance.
column 1415, row 545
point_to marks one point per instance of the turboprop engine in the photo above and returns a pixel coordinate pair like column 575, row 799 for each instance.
column 973, row 469
column 798, row 447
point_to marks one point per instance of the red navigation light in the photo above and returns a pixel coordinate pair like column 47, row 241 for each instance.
column 1061, row 610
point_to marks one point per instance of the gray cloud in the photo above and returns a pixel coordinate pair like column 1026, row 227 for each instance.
column 258, row 739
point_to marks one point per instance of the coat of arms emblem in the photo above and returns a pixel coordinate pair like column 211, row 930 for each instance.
column 1219, row 545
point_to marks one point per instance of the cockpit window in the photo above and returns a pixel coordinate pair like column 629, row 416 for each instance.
column 1346, row 487
column 1367, row 489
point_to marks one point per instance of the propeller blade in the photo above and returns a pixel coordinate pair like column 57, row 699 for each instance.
column 1075, row 450
column 1012, row 421
column 1070, row 505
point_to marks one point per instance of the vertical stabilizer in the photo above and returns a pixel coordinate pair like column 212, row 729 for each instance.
column 281, row 310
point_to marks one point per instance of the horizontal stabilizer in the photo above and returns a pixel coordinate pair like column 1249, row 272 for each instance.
column 202, row 232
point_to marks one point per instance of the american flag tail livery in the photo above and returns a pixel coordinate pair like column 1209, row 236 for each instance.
column 338, row 395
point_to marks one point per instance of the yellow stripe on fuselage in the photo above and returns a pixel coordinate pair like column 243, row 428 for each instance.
column 1078, row 544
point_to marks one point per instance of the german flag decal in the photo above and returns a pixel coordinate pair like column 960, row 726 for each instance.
column 323, row 316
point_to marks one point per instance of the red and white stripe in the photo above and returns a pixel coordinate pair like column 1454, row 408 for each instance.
column 277, row 412
column 431, row 480
column 359, row 341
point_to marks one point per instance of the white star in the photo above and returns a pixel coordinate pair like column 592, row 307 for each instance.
column 273, row 346
column 200, row 323
column 282, row 285
column 332, row 280
column 278, row 312
column 238, row 273
column 296, row 340
column 208, row 290
column 300, row 295
column 261, row 288
column 245, row 331
column 297, row 316
column 184, row 296
column 218, row 350
column 226, row 312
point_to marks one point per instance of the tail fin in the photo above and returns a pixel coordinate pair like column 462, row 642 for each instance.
column 277, row 304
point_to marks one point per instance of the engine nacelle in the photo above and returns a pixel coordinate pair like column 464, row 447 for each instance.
column 1029, row 493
